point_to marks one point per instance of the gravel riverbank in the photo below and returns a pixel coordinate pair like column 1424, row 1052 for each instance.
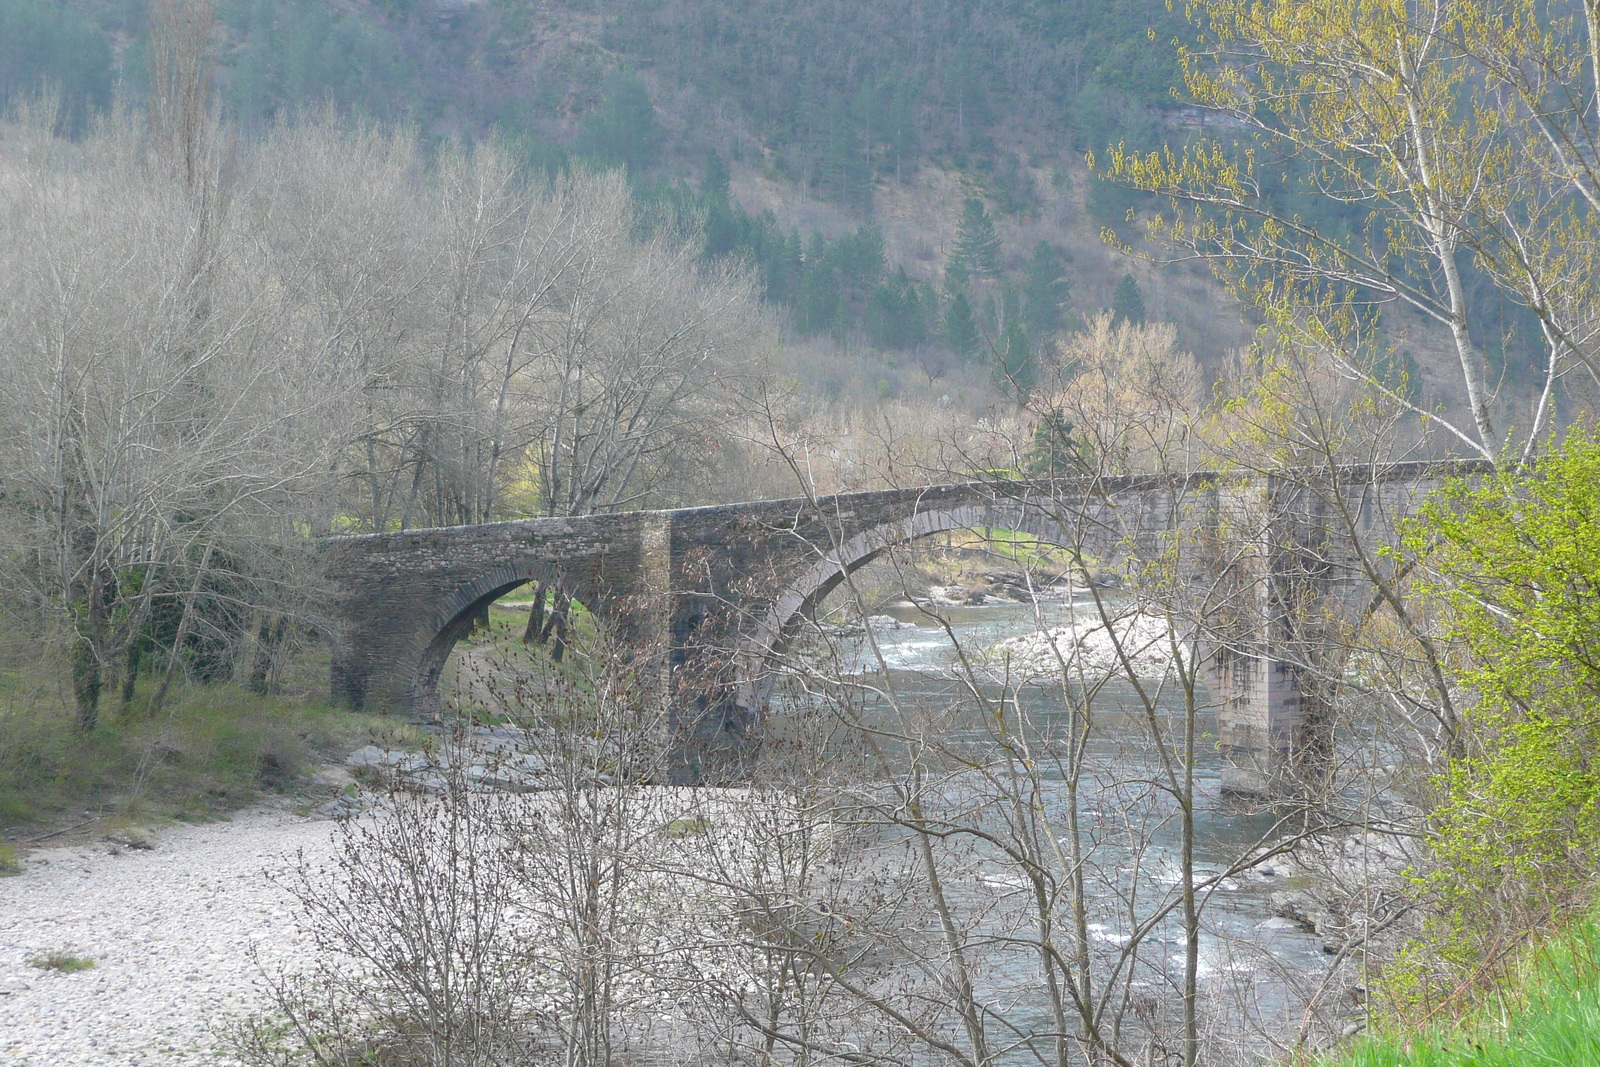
column 169, row 919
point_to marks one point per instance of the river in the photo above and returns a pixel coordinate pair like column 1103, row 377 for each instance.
column 1256, row 970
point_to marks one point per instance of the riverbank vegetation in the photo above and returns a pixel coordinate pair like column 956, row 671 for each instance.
column 1366, row 102
column 1546, row 1010
column 211, row 750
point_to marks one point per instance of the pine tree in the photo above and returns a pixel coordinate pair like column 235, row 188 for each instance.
column 781, row 263
column 955, row 276
column 1014, row 370
column 961, row 327
column 1054, row 451
column 843, row 174
column 622, row 131
column 895, row 317
column 1045, row 291
column 928, row 316
column 817, row 303
column 860, row 259
column 977, row 244
column 717, row 179
column 1127, row 304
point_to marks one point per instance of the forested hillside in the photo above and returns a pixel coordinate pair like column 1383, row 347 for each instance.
column 830, row 116
column 836, row 93
column 834, row 144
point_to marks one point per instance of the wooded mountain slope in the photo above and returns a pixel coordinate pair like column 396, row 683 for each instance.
column 831, row 115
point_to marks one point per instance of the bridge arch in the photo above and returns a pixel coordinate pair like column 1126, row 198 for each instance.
column 806, row 591
column 458, row 608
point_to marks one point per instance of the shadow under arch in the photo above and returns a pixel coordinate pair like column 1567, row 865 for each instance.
column 456, row 613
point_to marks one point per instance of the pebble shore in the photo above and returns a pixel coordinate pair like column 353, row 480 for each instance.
column 170, row 919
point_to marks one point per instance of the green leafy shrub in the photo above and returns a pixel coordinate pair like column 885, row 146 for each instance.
column 1515, row 564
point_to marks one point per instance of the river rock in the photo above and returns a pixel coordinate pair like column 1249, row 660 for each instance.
column 331, row 777
column 368, row 756
column 1292, row 905
column 337, row 808
column 429, row 782
column 373, row 758
column 134, row 839
column 1092, row 646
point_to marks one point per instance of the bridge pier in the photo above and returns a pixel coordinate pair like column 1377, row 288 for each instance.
column 1268, row 729
column 1279, row 604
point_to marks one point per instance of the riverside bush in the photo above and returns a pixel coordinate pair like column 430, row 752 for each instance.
column 1515, row 565
column 64, row 962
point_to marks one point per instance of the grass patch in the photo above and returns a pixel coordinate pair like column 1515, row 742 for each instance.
column 9, row 863
column 1023, row 549
column 1548, row 1013
column 62, row 962
column 211, row 750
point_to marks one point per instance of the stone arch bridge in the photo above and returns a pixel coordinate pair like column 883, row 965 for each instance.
column 713, row 593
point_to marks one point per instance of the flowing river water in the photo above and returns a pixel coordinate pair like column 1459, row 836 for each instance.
column 1257, row 971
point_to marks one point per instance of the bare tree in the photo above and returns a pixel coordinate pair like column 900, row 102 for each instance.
column 150, row 444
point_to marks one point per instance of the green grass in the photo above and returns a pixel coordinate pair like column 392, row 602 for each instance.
column 1021, row 548
column 61, row 961
column 1548, row 1014
column 211, row 750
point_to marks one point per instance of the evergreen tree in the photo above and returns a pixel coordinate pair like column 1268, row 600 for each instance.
column 292, row 53
column 1054, row 452
column 843, row 173
column 961, row 327
column 1045, row 291
column 1014, row 370
column 955, row 276
column 725, row 230
column 717, row 179
column 781, row 264
column 928, row 314
column 622, row 131
column 45, row 43
column 817, row 302
column 861, row 261
column 899, row 124
column 895, row 316
column 884, row 315
column 977, row 244
column 1127, row 304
